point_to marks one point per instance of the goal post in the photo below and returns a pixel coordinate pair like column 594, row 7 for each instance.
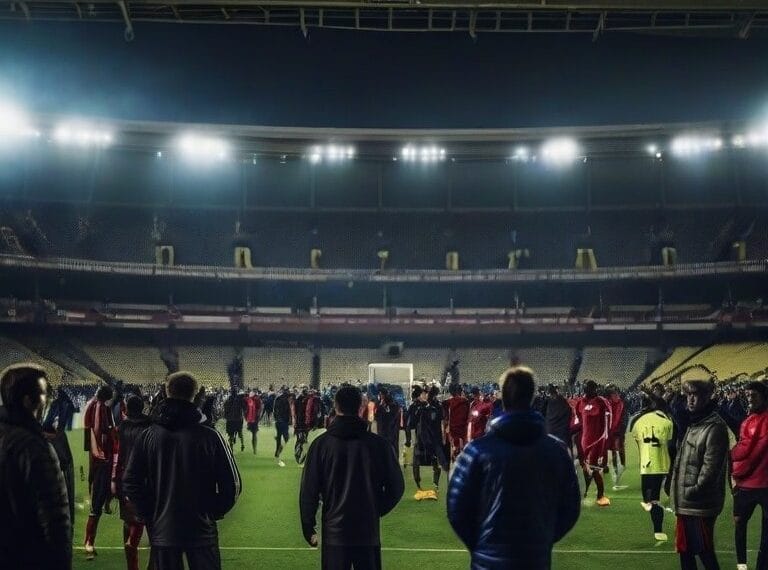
column 397, row 374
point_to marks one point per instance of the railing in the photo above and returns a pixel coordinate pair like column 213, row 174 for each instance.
column 637, row 273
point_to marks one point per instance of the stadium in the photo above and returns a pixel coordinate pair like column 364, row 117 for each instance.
column 257, row 257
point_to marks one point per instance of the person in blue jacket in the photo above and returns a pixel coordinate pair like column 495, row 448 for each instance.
column 514, row 493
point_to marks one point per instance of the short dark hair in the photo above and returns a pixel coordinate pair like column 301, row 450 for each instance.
column 134, row 405
column 455, row 389
column 760, row 387
column 517, row 388
column 704, row 386
column 348, row 400
column 181, row 386
column 104, row 393
column 19, row 381
column 417, row 390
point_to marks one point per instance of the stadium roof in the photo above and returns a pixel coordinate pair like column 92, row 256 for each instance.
column 736, row 18
column 386, row 144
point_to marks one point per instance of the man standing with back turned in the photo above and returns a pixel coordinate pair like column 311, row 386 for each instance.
column 182, row 478
column 356, row 476
column 514, row 493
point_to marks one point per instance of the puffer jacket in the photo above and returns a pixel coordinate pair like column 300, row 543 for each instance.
column 750, row 455
column 181, row 477
column 698, row 479
column 34, row 506
column 513, row 494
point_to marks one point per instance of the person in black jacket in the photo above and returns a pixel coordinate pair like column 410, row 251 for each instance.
column 57, row 421
column 356, row 476
column 426, row 418
column 34, row 506
column 130, row 429
column 558, row 414
column 388, row 419
column 699, row 476
column 234, row 414
column 283, row 409
column 182, row 478
column 514, row 492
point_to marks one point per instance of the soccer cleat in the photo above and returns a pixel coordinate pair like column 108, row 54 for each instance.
column 431, row 494
column 619, row 487
column 90, row 552
column 741, row 567
column 661, row 536
column 280, row 463
column 420, row 495
column 603, row 502
column 646, row 506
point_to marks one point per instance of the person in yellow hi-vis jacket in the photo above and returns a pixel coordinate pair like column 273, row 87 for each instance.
column 653, row 431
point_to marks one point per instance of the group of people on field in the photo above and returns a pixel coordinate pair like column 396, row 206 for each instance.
column 512, row 494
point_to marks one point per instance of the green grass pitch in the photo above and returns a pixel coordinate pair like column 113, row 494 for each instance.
column 263, row 530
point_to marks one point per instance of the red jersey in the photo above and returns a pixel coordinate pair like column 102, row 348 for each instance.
column 456, row 413
column 617, row 414
column 100, row 430
column 595, row 416
column 252, row 409
column 479, row 413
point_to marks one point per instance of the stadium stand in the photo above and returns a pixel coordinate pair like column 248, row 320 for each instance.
column 12, row 352
column 130, row 363
column 726, row 361
column 483, row 240
column 614, row 365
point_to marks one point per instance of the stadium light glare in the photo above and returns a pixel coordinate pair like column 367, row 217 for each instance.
column 424, row 154
column 687, row 145
column 755, row 138
column 331, row 153
column 521, row 154
column 203, row 148
column 82, row 135
column 652, row 149
column 559, row 151
column 14, row 123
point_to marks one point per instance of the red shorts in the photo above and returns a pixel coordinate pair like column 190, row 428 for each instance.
column 458, row 440
column 616, row 443
column 596, row 456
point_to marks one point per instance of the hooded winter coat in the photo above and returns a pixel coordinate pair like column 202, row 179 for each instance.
column 34, row 506
column 698, row 479
column 181, row 477
column 513, row 494
column 356, row 475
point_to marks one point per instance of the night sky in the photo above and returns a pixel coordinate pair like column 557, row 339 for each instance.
column 253, row 75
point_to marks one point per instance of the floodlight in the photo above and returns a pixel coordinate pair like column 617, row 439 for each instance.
column 202, row 147
column 82, row 135
column 687, row 145
column 423, row 154
column 15, row 123
column 559, row 151
column 331, row 153
column 522, row 154
column 652, row 149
